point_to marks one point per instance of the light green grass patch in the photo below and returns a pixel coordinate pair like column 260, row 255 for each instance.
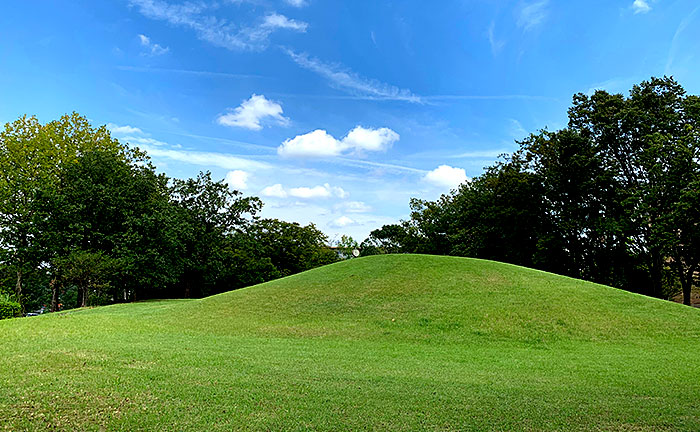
column 384, row 343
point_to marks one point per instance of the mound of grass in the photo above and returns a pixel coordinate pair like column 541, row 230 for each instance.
column 389, row 342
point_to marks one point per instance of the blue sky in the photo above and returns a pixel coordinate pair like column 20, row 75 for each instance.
column 333, row 112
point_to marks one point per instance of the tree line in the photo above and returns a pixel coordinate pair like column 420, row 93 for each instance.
column 614, row 197
column 86, row 220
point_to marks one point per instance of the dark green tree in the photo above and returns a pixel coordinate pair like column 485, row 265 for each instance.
column 207, row 213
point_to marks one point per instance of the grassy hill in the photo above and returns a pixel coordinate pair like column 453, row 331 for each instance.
column 386, row 343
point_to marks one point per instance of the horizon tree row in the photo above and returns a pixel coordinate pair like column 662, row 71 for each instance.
column 85, row 220
column 613, row 198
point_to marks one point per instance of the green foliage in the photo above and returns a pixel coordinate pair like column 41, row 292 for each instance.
column 85, row 220
column 89, row 272
column 9, row 308
column 345, row 246
column 206, row 214
column 612, row 198
column 290, row 247
column 32, row 157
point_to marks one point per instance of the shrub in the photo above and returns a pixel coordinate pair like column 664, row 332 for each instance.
column 8, row 307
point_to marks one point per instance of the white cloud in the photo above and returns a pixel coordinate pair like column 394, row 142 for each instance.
column 322, row 191
column 312, row 192
column 123, row 130
column 218, row 32
column 640, row 6
column 354, row 207
column 338, row 191
column 152, row 48
column 371, row 139
column 313, row 144
column 348, row 80
column 250, row 113
column 446, row 176
column 296, row 3
column 276, row 20
column 532, row 15
column 342, row 222
column 276, row 191
column 325, row 191
column 320, row 143
column 237, row 179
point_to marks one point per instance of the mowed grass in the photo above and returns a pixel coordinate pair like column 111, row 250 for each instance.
column 402, row 342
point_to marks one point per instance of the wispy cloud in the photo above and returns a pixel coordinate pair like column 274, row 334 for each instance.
column 676, row 38
column 435, row 98
column 517, row 130
column 381, row 165
column 296, row 3
column 123, row 130
column 342, row 222
column 186, row 72
column 496, row 45
column 160, row 149
column 345, row 79
column 216, row 31
column 207, row 159
column 483, row 154
column 640, row 6
column 531, row 15
column 152, row 48
column 275, row 20
column 614, row 85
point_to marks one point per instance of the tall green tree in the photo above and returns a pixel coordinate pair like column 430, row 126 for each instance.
column 32, row 156
column 207, row 212
column 119, row 208
column 650, row 141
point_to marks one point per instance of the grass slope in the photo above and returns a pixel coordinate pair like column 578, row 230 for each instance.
column 385, row 343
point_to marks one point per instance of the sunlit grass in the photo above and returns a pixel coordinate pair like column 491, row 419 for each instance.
column 387, row 343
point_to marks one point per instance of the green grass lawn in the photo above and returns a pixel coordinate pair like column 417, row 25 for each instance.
column 401, row 342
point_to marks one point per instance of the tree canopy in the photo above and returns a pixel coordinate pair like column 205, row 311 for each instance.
column 86, row 220
column 611, row 198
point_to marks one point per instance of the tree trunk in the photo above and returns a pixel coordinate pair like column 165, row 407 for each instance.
column 656, row 270
column 54, row 295
column 18, row 288
column 687, row 288
column 81, row 297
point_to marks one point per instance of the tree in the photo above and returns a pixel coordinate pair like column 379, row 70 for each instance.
column 614, row 197
column 120, row 208
column 207, row 212
column 291, row 248
column 650, row 141
column 345, row 246
column 31, row 158
column 89, row 272
column 582, row 202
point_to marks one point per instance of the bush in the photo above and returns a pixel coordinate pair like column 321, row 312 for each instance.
column 8, row 307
